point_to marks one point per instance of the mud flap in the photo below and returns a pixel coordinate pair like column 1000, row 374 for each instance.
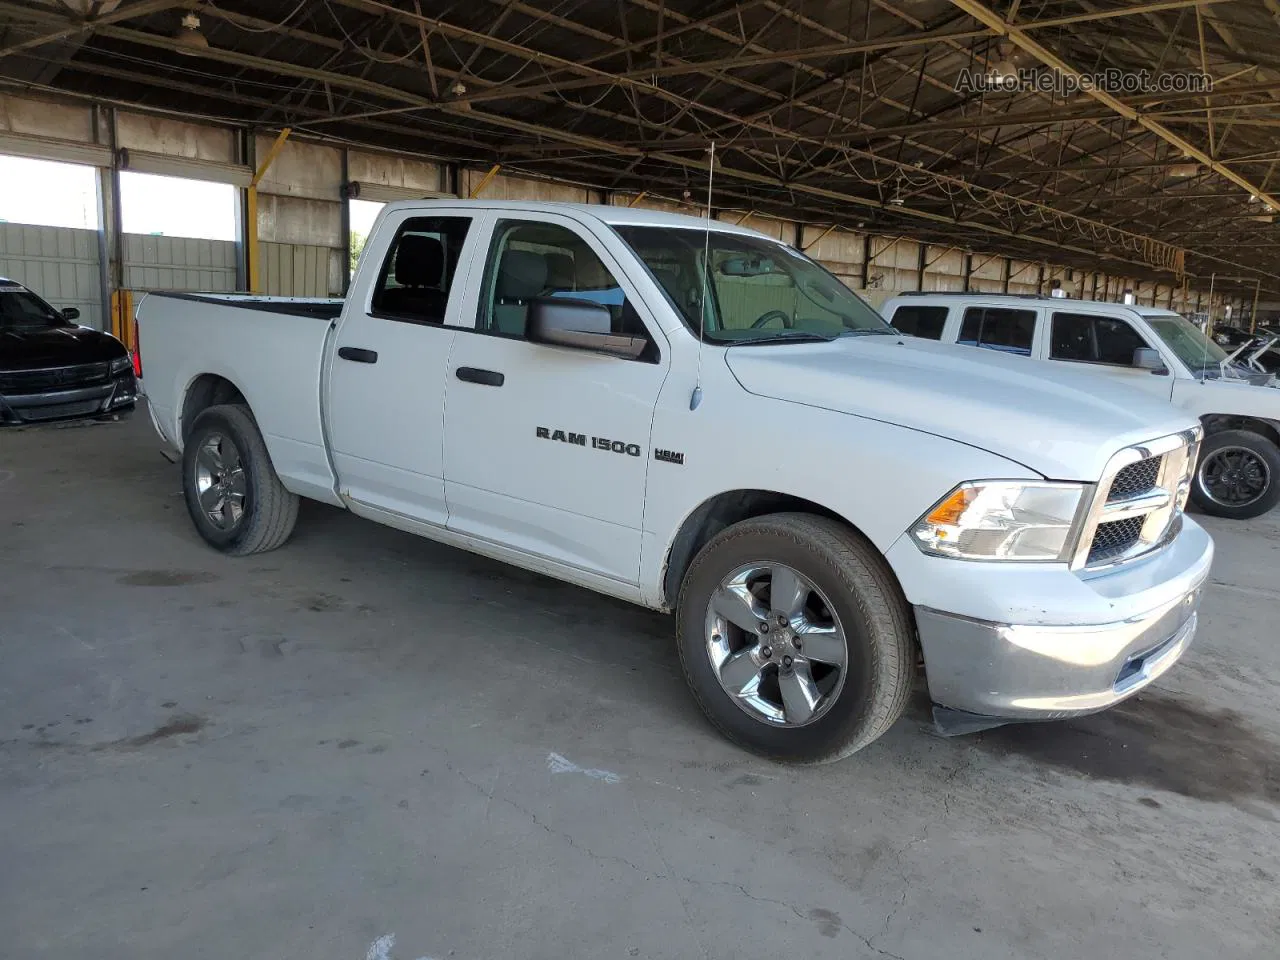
column 958, row 723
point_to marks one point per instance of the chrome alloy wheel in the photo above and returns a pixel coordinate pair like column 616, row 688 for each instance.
column 776, row 644
column 1233, row 477
column 221, row 485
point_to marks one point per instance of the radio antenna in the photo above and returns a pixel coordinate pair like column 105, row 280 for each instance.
column 696, row 397
column 1208, row 329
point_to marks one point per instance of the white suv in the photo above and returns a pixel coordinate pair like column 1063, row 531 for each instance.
column 1148, row 348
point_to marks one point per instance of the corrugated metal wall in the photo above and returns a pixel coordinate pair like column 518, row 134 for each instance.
column 58, row 263
column 179, row 263
column 296, row 269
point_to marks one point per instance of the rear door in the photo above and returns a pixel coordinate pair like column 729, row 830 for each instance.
column 386, row 382
column 1103, row 345
column 547, row 447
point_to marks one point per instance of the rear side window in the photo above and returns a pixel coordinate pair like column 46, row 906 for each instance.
column 1090, row 339
column 997, row 328
column 919, row 321
column 418, row 273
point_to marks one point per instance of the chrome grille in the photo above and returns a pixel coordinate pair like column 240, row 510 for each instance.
column 1138, row 502
column 1136, row 478
column 1115, row 538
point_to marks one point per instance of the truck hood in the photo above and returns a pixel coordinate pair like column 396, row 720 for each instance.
column 1236, row 397
column 1060, row 423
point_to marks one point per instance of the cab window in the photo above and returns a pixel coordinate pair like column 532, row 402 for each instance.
column 920, row 321
column 1085, row 338
column 416, row 277
column 997, row 328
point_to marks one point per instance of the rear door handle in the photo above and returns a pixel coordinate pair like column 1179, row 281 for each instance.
column 489, row 378
column 358, row 354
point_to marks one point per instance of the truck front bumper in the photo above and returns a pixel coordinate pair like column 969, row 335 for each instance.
column 1081, row 644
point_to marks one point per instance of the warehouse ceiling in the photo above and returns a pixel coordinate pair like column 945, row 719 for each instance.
column 866, row 115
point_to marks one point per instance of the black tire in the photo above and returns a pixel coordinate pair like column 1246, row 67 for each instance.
column 1267, row 461
column 269, row 510
column 865, row 597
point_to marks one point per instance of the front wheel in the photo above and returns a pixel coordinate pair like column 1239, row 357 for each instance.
column 1238, row 475
column 795, row 638
column 235, row 498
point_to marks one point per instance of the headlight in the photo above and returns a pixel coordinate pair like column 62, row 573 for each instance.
column 121, row 364
column 1003, row 520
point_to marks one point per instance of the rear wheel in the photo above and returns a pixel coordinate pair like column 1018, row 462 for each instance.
column 233, row 494
column 795, row 638
column 1238, row 475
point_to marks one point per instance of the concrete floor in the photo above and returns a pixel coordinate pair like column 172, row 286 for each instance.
column 369, row 746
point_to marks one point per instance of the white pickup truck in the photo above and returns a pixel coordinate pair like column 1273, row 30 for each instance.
column 1145, row 348
column 825, row 504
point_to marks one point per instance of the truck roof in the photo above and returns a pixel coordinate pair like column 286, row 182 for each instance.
column 1025, row 299
column 614, row 216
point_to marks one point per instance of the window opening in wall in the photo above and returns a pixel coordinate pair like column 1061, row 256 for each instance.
column 158, row 206
column 45, row 193
column 363, row 213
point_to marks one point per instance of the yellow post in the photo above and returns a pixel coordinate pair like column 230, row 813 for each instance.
column 638, row 197
column 122, row 326
column 484, row 181
column 251, row 212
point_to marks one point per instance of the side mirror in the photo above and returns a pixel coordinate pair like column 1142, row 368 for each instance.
column 71, row 313
column 1146, row 358
column 581, row 324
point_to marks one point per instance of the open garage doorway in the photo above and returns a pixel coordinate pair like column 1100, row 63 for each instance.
column 179, row 234
column 363, row 213
column 49, row 221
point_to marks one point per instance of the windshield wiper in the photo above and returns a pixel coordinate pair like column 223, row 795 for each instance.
column 790, row 336
column 871, row 332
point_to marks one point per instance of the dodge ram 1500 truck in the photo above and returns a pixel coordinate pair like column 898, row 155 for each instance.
column 697, row 418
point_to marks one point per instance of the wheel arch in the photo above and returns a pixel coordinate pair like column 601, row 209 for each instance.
column 204, row 391
column 1218, row 422
column 723, row 510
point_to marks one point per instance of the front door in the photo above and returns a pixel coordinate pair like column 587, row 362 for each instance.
column 547, row 447
column 386, row 382
column 1105, row 346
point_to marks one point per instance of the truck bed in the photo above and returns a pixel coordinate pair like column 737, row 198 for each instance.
column 271, row 349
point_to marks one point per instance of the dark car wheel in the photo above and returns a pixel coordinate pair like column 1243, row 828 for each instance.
column 795, row 638
column 1238, row 475
column 233, row 494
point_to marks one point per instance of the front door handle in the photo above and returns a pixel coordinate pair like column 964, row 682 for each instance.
column 489, row 378
column 358, row 354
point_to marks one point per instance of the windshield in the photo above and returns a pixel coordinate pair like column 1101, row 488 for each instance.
column 21, row 308
column 1189, row 344
column 759, row 291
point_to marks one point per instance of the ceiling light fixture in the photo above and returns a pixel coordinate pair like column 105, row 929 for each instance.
column 189, row 37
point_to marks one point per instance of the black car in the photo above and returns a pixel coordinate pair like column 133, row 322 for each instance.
column 53, row 369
